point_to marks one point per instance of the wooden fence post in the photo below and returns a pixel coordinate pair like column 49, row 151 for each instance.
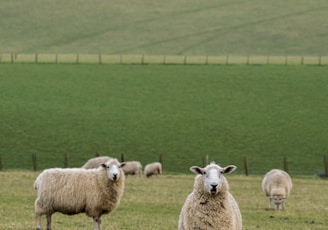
column 65, row 160
column 246, row 165
column 99, row 59
column 325, row 160
column 161, row 161
column 205, row 160
column 35, row 162
column 97, row 154
column 1, row 163
column 286, row 164
column 122, row 157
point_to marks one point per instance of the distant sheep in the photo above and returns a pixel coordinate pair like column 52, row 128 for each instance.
column 132, row 168
column 210, row 205
column 72, row 191
column 154, row 168
column 277, row 186
column 96, row 162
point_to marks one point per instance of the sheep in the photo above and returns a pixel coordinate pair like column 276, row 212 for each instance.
column 77, row 190
column 277, row 186
column 95, row 162
column 154, row 168
column 132, row 168
column 210, row 205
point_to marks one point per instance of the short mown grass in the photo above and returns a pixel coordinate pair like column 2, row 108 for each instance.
column 155, row 203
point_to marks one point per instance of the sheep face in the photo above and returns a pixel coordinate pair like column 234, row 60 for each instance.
column 113, row 169
column 278, row 201
column 213, row 176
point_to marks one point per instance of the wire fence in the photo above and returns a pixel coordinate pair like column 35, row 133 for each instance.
column 36, row 58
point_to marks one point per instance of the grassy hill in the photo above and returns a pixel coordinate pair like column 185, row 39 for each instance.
column 183, row 112
column 165, row 27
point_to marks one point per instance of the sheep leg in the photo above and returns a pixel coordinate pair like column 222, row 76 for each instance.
column 48, row 221
column 270, row 200
column 38, row 222
column 97, row 222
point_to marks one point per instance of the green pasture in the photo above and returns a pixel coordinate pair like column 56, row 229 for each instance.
column 183, row 112
column 155, row 203
column 194, row 28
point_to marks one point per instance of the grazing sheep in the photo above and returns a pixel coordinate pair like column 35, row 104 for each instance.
column 76, row 190
column 95, row 162
column 210, row 205
column 277, row 186
column 154, row 168
column 132, row 168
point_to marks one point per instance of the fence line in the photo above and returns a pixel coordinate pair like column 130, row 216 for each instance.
column 160, row 59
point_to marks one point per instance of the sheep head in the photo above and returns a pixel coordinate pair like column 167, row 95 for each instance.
column 213, row 176
column 278, row 197
column 112, row 167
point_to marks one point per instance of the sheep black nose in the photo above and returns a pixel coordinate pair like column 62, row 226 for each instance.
column 214, row 186
column 114, row 176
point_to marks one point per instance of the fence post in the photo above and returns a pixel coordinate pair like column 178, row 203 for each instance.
column 161, row 161
column 325, row 160
column 97, row 154
column 122, row 157
column 65, row 160
column 286, row 164
column 1, row 163
column 246, row 165
column 205, row 160
column 34, row 161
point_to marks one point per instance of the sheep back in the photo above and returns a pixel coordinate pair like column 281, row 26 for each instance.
column 96, row 162
column 72, row 191
column 132, row 168
column 154, row 168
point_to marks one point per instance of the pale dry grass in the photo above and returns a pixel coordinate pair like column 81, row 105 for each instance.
column 155, row 203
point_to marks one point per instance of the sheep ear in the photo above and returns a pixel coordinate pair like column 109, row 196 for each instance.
column 229, row 169
column 122, row 164
column 196, row 170
column 103, row 165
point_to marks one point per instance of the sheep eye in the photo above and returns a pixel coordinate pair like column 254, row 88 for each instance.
column 204, row 173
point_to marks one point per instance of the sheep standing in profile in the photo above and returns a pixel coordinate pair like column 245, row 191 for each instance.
column 277, row 186
column 96, row 162
column 210, row 205
column 132, row 168
column 154, row 168
column 72, row 191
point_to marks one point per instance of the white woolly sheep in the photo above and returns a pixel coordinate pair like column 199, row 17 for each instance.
column 277, row 186
column 210, row 205
column 77, row 190
column 154, row 168
column 96, row 162
column 132, row 168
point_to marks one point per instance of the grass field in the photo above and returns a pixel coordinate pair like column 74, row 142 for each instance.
column 182, row 112
column 156, row 203
column 237, row 27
